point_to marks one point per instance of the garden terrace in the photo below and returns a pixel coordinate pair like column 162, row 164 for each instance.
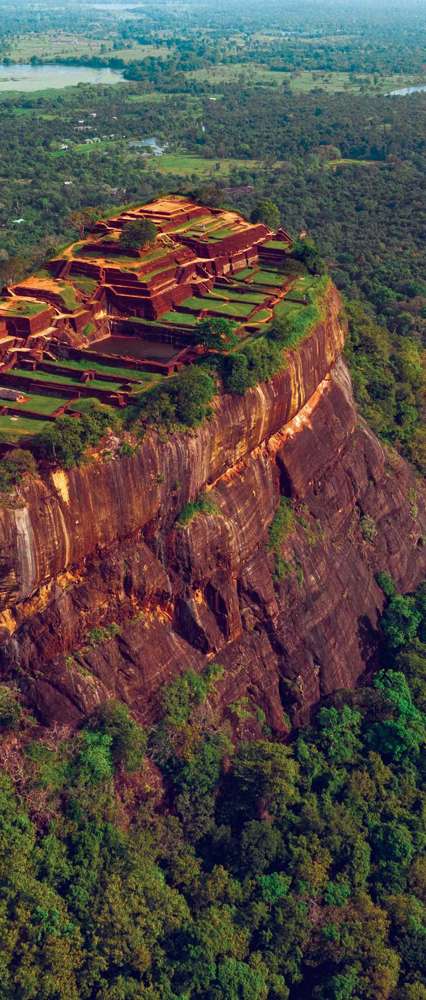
column 123, row 318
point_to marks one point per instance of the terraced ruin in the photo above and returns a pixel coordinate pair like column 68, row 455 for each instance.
column 106, row 322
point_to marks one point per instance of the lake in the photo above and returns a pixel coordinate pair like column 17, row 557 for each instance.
column 25, row 77
column 117, row 8
column 407, row 90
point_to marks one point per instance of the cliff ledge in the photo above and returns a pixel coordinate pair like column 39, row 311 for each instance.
column 103, row 593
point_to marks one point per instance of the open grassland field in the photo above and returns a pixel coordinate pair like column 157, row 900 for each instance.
column 155, row 97
column 304, row 81
column 52, row 45
column 185, row 164
column 137, row 53
column 234, row 72
column 177, row 164
column 301, row 81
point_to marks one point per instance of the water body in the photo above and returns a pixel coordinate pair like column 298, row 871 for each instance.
column 407, row 90
column 25, row 77
column 117, row 8
column 136, row 347
column 117, row 11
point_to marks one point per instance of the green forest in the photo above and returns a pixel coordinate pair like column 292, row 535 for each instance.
column 197, row 859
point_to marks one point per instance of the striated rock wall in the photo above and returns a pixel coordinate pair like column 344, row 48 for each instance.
column 100, row 545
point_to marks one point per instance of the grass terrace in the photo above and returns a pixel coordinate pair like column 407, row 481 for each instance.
column 210, row 304
column 303, row 317
column 234, row 294
column 110, row 257
column 69, row 381
column 86, row 363
column 22, row 307
column 86, row 285
column 261, row 316
column 221, row 234
column 41, row 404
column 178, row 318
column 16, row 428
column 193, row 226
column 274, row 245
column 68, row 296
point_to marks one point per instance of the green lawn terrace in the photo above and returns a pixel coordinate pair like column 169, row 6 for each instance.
column 34, row 393
column 248, row 299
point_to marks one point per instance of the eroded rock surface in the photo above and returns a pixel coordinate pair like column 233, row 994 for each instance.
column 101, row 545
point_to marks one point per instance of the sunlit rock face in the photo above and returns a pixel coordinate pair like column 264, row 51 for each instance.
column 100, row 547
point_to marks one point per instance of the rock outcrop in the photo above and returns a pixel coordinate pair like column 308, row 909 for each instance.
column 103, row 593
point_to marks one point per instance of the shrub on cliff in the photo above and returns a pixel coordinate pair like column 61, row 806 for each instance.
column 10, row 709
column 236, row 375
column 288, row 330
column 307, row 252
column 257, row 362
column 13, row 467
column 193, row 391
column 202, row 505
column 66, row 440
column 400, row 621
column 216, row 333
column 183, row 399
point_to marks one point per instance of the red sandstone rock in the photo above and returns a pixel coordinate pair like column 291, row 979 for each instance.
column 100, row 545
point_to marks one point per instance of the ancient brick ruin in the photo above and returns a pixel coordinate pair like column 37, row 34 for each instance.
column 101, row 314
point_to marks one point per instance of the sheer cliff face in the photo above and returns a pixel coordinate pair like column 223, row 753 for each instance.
column 100, row 545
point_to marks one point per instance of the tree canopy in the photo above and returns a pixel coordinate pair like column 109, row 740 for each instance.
column 181, row 862
column 136, row 235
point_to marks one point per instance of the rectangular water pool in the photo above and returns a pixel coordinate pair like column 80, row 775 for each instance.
column 136, row 347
